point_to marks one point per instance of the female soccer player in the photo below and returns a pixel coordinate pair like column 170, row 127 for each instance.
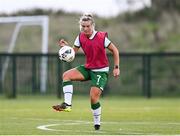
column 96, row 67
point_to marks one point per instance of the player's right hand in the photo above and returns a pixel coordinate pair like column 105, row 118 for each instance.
column 62, row 42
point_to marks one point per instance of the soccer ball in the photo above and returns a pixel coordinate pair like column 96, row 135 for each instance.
column 66, row 53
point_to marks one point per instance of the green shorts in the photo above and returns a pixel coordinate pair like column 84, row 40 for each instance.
column 98, row 79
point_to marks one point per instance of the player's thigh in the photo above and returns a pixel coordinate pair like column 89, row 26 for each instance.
column 99, row 79
column 73, row 74
column 84, row 71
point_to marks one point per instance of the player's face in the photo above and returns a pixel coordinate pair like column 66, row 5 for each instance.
column 87, row 28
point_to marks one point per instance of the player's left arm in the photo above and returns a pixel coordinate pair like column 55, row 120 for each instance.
column 115, row 52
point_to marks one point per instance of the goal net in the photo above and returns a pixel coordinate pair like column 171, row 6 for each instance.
column 19, row 21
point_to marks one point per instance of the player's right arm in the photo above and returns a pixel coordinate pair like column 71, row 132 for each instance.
column 62, row 43
column 76, row 44
column 75, row 49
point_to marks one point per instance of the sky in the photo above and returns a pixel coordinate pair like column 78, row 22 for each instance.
column 103, row 8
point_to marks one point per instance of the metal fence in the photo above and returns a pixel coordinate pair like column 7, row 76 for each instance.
column 142, row 74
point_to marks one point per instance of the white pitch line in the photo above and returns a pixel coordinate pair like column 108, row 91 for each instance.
column 45, row 127
column 78, row 122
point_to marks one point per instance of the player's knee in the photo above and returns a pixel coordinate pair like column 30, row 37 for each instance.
column 66, row 76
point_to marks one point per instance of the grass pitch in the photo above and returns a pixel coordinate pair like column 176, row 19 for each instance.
column 33, row 115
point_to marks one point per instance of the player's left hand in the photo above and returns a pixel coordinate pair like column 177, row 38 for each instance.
column 116, row 72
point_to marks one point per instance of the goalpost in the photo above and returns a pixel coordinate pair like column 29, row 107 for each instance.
column 43, row 22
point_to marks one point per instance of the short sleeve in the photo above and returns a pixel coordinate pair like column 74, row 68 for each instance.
column 77, row 42
column 106, row 42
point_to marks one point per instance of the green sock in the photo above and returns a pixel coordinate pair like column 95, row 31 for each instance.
column 95, row 106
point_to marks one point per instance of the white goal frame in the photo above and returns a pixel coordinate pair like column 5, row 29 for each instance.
column 20, row 21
